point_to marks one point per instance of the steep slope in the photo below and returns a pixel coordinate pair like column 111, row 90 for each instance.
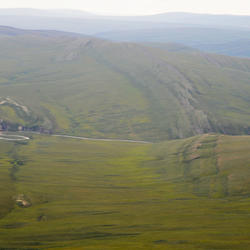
column 183, row 194
column 91, row 87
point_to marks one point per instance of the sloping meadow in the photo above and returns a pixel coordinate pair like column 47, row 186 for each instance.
column 75, row 194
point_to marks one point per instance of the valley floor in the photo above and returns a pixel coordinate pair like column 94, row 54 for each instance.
column 66, row 193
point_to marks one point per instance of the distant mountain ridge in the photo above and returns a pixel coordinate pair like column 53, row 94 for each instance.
column 190, row 36
column 239, row 48
column 168, row 17
column 10, row 31
column 203, row 19
column 201, row 31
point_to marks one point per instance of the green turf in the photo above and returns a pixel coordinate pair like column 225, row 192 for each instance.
column 183, row 194
column 101, row 89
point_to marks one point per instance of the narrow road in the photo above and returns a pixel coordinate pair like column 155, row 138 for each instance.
column 7, row 137
column 107, row 140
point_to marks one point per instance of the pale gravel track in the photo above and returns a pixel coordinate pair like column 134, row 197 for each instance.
column 13, row 137
column 97, row 139
column 22, row 138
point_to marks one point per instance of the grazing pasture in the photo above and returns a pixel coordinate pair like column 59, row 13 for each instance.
column 181, row 194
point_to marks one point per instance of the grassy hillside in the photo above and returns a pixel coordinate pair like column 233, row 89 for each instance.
column 96, row 88
column 183, row 194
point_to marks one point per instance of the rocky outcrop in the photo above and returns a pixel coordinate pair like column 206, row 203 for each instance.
column 23, row 201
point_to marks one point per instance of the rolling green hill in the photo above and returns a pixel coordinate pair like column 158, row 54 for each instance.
column 63, row 193
column 96, row 88
column 177, row 179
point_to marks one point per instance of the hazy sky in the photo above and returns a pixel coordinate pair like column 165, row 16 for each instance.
column 140, row 7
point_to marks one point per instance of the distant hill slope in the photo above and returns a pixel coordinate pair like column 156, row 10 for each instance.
column 74, row 23
column 10, row 31
column 202, row 31
column 233, row 42
column 239, row 21
column 202, row 19
column 172, row 47
column 239, row 48
column 92, row 87
column 184, row 35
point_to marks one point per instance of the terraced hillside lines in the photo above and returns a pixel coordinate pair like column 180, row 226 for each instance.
column 201, row 168
column 234, row 163
column 194, row 165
